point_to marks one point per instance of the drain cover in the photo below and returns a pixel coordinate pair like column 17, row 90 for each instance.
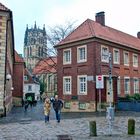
column 64, row 137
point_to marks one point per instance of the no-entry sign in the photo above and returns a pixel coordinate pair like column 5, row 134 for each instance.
column 99, row 82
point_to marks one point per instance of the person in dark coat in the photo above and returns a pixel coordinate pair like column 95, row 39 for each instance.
column 57, row 106
column 26, row 104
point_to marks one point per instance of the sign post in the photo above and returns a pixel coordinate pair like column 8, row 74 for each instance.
column 99, row 85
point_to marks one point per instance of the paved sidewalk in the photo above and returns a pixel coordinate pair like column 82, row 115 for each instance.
column 20, row 125
column 77, row 129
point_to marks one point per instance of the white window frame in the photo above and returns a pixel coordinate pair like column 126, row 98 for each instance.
column 135, row 64
column 127, row 92
column 136, row 85
column 64, row 85
column 105, row 57
column 118, row 57
column 79, row 60
column 125, row 63
column 64, row 56
column 78, row 83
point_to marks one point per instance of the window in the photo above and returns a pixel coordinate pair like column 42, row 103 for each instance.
column 126, row 85
column 82, row 54
column 67, row 56
column 82, row 84
column 29, row 88
column 116, row 56
column 50, row 82
column 104, row 54
column 118, row 85
column 126, row 58
column 67, row 85
column 135, row 60
column 136, row 85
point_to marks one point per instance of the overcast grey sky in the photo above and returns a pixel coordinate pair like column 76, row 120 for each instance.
column 123, row 15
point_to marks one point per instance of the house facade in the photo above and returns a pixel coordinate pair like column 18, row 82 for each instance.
column 6, row 59
column 84, row 54
column 31, row 87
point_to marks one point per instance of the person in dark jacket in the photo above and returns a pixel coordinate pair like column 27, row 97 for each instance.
column 57, row 106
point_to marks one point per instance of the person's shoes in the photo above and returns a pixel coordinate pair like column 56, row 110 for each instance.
column 58, row 121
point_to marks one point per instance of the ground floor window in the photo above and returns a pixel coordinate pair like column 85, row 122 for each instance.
column 136, row 85
column 82, row 84
column 127, row 85
column 67, row 85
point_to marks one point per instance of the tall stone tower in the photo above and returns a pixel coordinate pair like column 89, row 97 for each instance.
column 35, row 46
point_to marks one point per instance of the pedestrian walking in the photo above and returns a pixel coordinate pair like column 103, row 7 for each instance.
column 26, row 104
column 47, row 108
column 57, row 105
column 30, row 100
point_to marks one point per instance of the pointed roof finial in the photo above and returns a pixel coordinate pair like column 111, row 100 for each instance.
column 27, row 27
column 35, row 25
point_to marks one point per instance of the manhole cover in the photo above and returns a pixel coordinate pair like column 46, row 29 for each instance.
column 64, row 137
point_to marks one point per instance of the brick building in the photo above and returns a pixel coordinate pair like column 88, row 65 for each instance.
column 83, row 55
column 6, row 59
column 18, row 83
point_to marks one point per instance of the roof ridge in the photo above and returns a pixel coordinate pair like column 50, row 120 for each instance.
column 122, row 32
column 90, row 26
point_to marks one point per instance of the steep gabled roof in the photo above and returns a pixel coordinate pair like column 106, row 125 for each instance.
column 90, row 29
column 2, row 7
column 47, row 65
column 18, row 58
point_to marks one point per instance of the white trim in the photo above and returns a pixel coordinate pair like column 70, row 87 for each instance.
column 125, row 52
column 64, row 59
column 78, row 85
column 78, row 55
column 116, row 62
column 64, row 92
column 107, row 55
column 128, row 92
column 133, row 60
column 135, row 78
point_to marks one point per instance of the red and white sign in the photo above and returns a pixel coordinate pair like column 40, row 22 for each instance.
column 99, row 82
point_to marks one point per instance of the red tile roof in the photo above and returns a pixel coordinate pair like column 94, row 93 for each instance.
column 90, row 29
column 18, row 58
column 47, row 65
column 2, row 7
column 29, row 75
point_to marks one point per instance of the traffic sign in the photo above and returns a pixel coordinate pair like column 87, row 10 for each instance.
column 99, row 82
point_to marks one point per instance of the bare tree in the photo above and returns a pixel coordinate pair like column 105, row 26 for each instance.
column 57, row 33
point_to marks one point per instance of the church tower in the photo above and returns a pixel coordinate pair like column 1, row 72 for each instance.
column 35, row 46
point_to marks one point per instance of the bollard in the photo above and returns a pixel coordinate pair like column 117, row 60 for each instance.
column 93, row 131
column 131, row 127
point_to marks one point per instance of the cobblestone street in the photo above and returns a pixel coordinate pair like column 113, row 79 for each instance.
column 30, row 126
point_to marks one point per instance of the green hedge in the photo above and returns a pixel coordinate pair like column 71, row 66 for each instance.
column 134, row 97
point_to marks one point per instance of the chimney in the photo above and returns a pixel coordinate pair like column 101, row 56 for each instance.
column 100, row 18
column 138, row 35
